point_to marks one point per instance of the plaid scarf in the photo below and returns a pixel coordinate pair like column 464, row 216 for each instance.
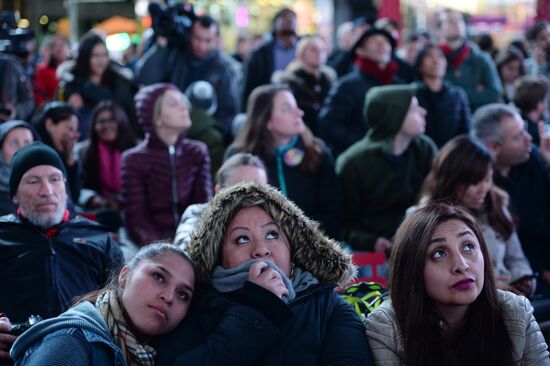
column 134, row 353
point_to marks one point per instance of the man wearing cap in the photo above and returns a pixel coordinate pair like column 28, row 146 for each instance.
column 340, row 120
column 273, row 55
column 467, row 66
column 46, row 257
column 382, row 173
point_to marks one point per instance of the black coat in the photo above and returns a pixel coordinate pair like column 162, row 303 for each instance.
column 117, row 88
column 448, row 112
column 258, row 70
column 40, row 275
column 340, row 121
column 310, row 93
column 528, row 185
column 253, row 327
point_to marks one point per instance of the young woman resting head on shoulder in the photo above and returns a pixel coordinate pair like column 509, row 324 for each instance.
column 114, row 325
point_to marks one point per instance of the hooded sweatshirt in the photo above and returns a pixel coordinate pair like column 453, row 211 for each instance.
column 76, row 337
column 160, row 181
column 316, row 327
column 378, row 185
column 6, row 203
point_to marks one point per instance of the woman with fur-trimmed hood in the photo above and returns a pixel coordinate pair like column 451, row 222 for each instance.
column 267, row 276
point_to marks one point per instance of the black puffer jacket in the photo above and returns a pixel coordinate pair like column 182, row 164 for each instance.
column 40, row 274
column 448, row 112
column 251, row 326
column 340, row 123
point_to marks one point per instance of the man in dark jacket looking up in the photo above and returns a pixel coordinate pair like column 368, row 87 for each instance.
column 47, row 258
column 467, row 66
column 340, row 120
column 272, row 56
column 521, row 169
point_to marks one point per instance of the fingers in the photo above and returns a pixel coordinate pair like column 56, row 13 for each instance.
column 268, row 278
column 5, row 325
column 256, row 269
column 6, row 340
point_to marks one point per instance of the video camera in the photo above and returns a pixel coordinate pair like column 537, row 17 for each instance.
column 13, row 40
column 173, row 22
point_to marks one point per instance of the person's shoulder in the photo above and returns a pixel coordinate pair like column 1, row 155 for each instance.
column 12, row 229
column 514, row 307
column 454, row 90
column 10, row 219
column 194, row 146
column 360, row 149
column 266, row 47
column 352, row 78
column 194, row 210
column 425, row 144
column 477, row 54
column 382, row 320
column 358, row 152
column 84, row 231
column 136, row 151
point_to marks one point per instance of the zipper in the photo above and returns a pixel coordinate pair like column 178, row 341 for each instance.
column 53, row 280
column 175, row 203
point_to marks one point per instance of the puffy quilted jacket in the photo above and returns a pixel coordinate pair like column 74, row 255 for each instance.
column 160, row 181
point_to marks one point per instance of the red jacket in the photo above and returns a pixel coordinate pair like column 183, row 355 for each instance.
column 46, row 84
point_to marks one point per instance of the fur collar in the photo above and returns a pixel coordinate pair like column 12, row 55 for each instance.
column 311, row 250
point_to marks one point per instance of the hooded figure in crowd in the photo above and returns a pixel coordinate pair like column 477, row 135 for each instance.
column 382, row 173
column 258, row 257
column 166, row 172
column 13, row 135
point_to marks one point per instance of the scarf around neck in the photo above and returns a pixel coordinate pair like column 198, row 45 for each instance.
column 109, row 169
column 383, row 75
column 227, row 280
column 455, row 58
column 280, row 152
column 134, row 353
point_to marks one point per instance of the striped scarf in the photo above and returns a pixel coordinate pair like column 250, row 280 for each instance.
column 134, row 353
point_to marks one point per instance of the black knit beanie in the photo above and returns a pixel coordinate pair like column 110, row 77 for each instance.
column 30, row 156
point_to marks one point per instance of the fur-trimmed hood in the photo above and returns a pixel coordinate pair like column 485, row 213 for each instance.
column 310, row 249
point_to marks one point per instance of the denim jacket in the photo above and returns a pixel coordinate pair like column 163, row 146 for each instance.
column 84, row 323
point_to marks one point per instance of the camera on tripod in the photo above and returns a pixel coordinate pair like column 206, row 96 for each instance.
column 173, row 22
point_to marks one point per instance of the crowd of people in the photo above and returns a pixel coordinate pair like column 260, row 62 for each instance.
column 195, row 207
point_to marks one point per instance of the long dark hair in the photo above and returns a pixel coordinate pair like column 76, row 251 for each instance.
column 125, row 139
column 56, row 112
column 82, row 68
column 483, row 338
column 255, row 138
column 461, row 162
